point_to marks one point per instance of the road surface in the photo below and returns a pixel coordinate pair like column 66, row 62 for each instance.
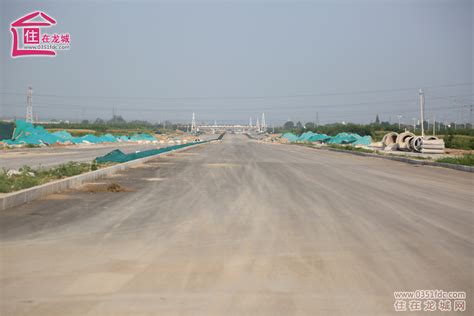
column 242, row 228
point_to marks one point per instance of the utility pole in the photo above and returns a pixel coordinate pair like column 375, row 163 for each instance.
column 434, row 125
column 250, row 122
column 264, row 125
column 193, row 124
column 258, row 125
column 470, row 115
column 273, row 128
column 29, row 105
column 414, row 124
column 317, row 118
column 422, row 109
column 399, row 117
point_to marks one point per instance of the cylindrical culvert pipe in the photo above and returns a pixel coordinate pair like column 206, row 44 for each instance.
column 402, row 140
column 389, row 139
column 417, row 143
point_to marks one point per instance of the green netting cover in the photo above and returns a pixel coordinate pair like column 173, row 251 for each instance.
column 290, row 136
column 319, row 138
column 27, row 133
column 119, row 156
column 341, row 138
column 6, row 130
column 364, row 140
column 313, row 137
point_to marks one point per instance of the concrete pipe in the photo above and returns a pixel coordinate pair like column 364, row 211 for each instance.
column 402, row 140
column 408, row 143
column 417, row 143
column 389, row 139
column 432, row 145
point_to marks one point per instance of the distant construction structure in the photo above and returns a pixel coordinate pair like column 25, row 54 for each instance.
column 263, row 127
column 29, row 105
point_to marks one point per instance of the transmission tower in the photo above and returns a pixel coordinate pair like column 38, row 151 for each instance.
column 29, row 105
column 193, row 124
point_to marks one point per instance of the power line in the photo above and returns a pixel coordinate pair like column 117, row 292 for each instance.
column 337, row 114
column 219, row 106
column 452, row 98
column 242, row 97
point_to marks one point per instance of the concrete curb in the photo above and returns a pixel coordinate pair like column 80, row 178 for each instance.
column 27, row 195
column 405, row 159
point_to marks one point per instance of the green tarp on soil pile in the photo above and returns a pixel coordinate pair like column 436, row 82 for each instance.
column 119, row 156
column 341, row 138
column 6, row 130
column 27, row 134
column 290, row 136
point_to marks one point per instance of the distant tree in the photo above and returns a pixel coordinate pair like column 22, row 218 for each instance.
column 140, row 123
column 299, row 125
column 310, row 125
column 99, row 121
column 289, row 125
column 377, row 119
column 85, row 122
column 117, row 119
column 168, row 124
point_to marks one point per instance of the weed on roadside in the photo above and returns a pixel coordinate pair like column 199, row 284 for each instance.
column 27, row 177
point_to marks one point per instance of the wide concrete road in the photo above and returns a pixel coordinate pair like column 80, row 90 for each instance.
column 242, row 228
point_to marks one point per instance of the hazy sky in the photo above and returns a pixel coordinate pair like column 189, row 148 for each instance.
column 230, row 60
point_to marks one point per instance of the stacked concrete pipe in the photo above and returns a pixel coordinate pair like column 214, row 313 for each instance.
column 432, row 145
column 389, row 141
column 403, row 141
column 408, row 141
column 416, row 143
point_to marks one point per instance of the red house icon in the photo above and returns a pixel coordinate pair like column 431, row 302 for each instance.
column 31, row 33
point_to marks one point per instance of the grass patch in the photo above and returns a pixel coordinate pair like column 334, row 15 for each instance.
column 466, row 160
column 465, row 142
column 32, row 146
column 28, row 177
